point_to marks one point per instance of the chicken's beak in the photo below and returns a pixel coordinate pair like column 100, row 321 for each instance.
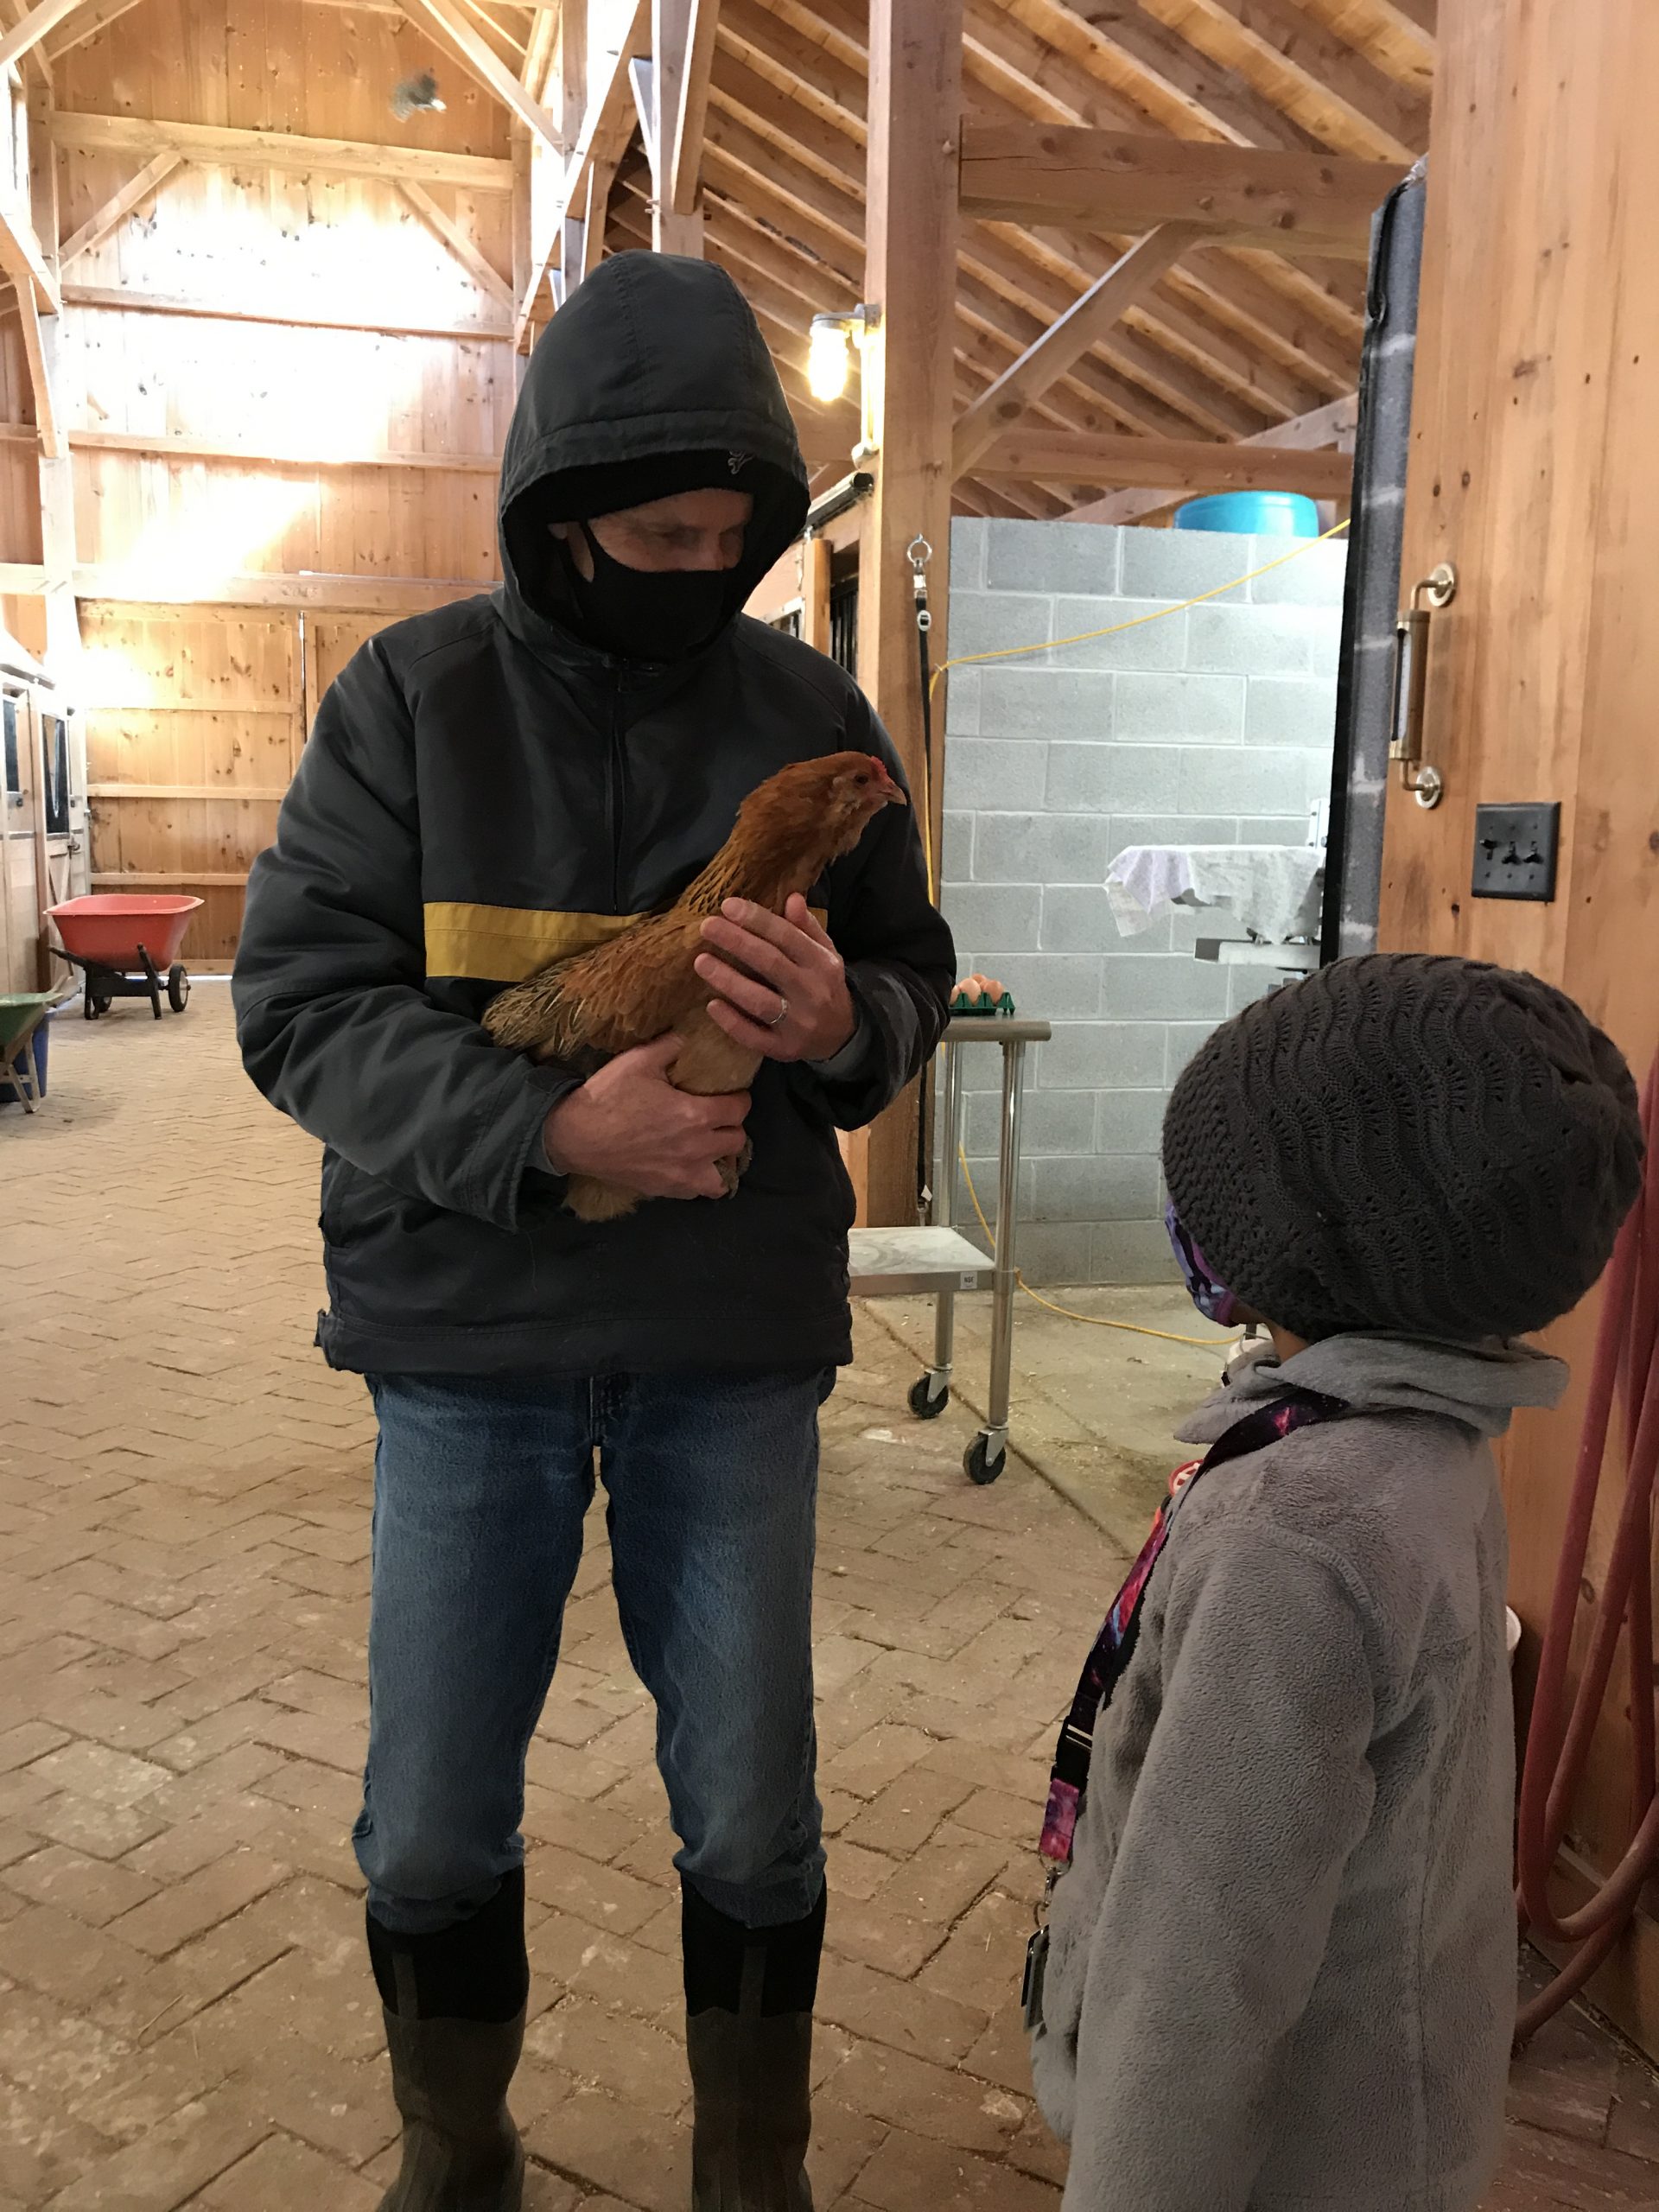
column 892, row 793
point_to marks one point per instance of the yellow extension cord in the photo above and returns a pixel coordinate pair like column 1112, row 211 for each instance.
column 1083, row 638
column 1068, row 1314
column 1054, row 645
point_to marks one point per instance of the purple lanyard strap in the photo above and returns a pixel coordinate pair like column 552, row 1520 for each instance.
column 1115, row 1645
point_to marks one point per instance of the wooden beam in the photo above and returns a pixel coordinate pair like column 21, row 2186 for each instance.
column 1194, row 464
column 34, row 353
column 1294, row 203
column 602, row 176
column 444, row 20
column 251, row 453
column 340, row 593
column 1307, row 71
column 538, row 53
column 215, row 144
column 684, row 165
column 256, row 794
column 87, row 22
column 670, row 233
column 347, row 593
column 114, row 212
column 449, row 233
column 642, row 83
column 99, row 295
column 1066, row 340
column 169, row 878
column 607, row 125
column 22, row 260
column 910, row 276
column 27, row 35
column 1333, row 425
column 559, row 227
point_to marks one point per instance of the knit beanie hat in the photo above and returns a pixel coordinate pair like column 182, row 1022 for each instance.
column 1406, row 1142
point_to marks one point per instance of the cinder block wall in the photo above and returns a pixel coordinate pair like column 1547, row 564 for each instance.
column 1209, row 726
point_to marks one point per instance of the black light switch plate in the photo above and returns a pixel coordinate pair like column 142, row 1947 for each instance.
column 1516, row 851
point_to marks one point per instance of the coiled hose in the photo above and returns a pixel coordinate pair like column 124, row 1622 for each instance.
column 1626, row 1368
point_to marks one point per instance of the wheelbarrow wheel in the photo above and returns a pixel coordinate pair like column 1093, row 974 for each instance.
column 922, row 1402
column 978, row 1466
column 178, row 987
column 98, row 1003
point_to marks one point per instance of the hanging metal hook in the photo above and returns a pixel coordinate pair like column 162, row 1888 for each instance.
column 918, row 561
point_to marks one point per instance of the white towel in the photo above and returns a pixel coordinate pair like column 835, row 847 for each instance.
column 1272, row 890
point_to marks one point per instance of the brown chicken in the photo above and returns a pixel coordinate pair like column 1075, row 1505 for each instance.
column 585, row 1009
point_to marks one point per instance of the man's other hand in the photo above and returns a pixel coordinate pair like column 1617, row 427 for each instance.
column 781, row 988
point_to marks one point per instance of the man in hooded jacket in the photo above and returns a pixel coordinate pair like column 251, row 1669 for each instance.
column 488, row 787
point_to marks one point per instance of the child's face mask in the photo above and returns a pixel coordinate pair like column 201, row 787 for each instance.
column 1213, row 1299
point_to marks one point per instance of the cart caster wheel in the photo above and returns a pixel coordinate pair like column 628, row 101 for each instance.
column 922, row 1402
column 178, row 988
column 978, row 1467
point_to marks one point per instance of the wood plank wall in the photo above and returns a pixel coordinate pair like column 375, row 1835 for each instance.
column 1535, row 469
column 193, row 705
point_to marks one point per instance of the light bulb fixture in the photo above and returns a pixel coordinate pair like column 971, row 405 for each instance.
column 829, row 361
column 829, row 357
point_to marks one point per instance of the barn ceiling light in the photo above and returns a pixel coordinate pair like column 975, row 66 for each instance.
column 829, row 344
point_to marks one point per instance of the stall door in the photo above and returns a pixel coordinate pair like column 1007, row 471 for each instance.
column 1534, row 472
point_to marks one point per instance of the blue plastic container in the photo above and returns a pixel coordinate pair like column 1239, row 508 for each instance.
column 1252, row 514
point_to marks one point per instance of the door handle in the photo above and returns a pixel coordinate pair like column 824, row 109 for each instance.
column 1437, row 589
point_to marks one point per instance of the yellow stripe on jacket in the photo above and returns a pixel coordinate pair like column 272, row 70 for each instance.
column 503, row 944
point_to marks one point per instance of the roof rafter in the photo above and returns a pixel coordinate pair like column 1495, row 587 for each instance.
column 214, row 143
column 1034, row 172
column 1332, row 426
column 1065, row 341
column 1318, row 79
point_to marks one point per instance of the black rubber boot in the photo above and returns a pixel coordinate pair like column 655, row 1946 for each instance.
column 454, row 2011
column 749, row 1994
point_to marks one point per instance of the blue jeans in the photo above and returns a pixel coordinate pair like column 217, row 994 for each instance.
column 480, row 1491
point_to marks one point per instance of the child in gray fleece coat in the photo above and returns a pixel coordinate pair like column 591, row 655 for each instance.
column 1279, row 1961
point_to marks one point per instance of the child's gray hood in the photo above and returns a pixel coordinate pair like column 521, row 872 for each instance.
column 1477, row 1385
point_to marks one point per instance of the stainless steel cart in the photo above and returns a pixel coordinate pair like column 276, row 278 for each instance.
column 938, row 1261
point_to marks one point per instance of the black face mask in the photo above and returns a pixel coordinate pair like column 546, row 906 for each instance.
column 643, row 613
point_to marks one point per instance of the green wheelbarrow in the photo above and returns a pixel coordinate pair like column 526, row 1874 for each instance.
column 22, row 1014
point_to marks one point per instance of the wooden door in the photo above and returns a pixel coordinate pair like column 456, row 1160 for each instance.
column 1536, row 471
column 194, row 721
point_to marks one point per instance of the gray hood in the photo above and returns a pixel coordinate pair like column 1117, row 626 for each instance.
column 1479, row 1386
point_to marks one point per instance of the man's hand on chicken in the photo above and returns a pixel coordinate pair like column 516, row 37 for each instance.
column 628, row 1124
column 781, row 987
column 782, row 993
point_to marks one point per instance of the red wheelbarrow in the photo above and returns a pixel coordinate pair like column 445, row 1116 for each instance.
column 128, row 948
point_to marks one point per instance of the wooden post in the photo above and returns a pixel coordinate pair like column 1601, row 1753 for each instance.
column 573, row 107
column 56, row 472
column 915, row 110
column 670, row 36
column 522, row 228
column 814, row 593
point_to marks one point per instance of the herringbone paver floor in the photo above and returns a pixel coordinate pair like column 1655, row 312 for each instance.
column 186, row 2016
